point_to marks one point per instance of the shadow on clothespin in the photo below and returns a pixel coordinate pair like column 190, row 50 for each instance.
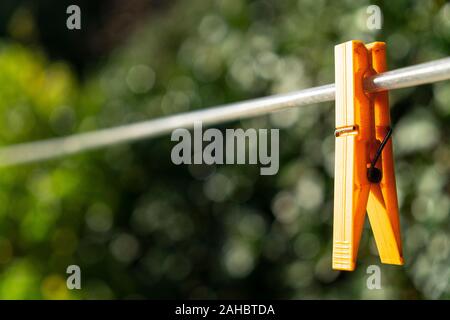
column 364, row 166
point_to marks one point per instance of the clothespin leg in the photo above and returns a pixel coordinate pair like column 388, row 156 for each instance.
column 383, row 229
column 382, row 206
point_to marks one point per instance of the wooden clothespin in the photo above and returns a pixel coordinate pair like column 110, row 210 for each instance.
column 364, row 167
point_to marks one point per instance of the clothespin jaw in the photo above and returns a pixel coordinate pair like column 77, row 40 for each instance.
column 363, row 181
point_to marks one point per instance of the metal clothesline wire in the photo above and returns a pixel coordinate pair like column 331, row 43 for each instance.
column 429, row 72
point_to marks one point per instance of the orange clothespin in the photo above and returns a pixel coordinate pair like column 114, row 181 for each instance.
column 364, row 167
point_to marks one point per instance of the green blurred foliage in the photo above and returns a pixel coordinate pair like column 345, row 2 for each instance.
column 141, row 227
